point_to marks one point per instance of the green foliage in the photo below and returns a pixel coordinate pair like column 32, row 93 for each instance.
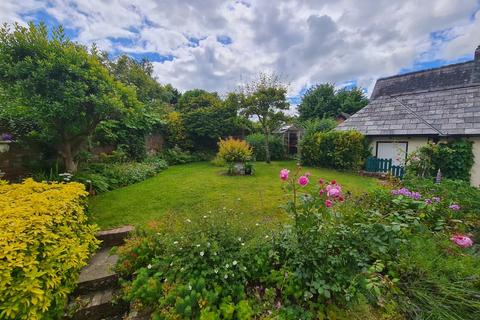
column 257, row 141
column 102, row 177
column 344, row 150
column 322, row 101
column 59, row 86
column 438, row 281
column 199, row 273
column 454, row 159
column 178, row 156
column 313, row 126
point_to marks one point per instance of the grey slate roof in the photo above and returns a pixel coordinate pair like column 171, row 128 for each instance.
column 441, row 101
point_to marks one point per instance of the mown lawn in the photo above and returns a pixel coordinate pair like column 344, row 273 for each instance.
column 190, row 190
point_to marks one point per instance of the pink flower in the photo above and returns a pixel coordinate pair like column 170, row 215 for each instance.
column 341, row 199
column 328, row 203
column 303, row 181
column 321, row 181
column 284, row 174
column 333, row 192
column 454, row 207
column 308, row 174
column 321, row 191
column 462, row 240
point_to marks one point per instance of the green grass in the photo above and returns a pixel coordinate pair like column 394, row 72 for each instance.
column 190, row 190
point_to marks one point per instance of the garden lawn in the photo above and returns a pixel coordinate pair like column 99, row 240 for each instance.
column 188, row 191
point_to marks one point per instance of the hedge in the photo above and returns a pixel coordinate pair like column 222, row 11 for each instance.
column 45, row 239
column 344, row 150
column 257, row 141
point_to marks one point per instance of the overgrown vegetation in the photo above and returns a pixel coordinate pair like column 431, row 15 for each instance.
column 46, row 239
column 454, row 159
column 392, row 253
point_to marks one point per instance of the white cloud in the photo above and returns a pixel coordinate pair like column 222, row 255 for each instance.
column 307, row 41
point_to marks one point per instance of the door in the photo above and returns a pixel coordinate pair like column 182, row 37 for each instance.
column 397, row 151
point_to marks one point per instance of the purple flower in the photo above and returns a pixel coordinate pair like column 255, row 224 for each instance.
column 6, row 137
column 436, row 199
column 407, row 193
column 428, row 201
column 454, row 207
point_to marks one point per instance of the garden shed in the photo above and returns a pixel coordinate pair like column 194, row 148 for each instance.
column 406, row 111
column 291, row 137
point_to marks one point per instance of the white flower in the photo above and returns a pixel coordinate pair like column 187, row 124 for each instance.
column 202, row 253
column 198, row 245
column 243, row 244
column 188, row 220
column 257, row 224
column 204, row 217
column 214, row 253
column 175, row 242
column 239, row 239
column 171, row 264
column 149, row 266
column 190, row 287
column 266, row 237
column 234, row 262
column 216, row 270
column 226, row 276
column 227, row 265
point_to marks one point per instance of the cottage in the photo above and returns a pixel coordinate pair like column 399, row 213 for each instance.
column 406, row 111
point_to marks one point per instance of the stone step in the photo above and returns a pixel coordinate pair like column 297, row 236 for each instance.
column 114, row 237
column 98, row 274
column 97, row 305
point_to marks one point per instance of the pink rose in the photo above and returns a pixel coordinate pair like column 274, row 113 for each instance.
column 333, row 192
column 328, row 203
column 462, row 241
column 303, row 181
column 284, row 174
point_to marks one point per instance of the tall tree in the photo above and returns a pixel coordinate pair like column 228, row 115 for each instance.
column 61, row 87
column 206, row 117
column 265, row 98
column 324, row 101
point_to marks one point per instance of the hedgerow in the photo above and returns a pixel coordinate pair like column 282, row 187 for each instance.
column 45, row 239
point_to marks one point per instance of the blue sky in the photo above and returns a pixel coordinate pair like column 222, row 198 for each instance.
column 217, row 45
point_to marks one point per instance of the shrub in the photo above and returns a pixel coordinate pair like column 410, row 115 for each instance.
column 102, row 177
column 454, row 159
column 176, row 155
column 234, row 150
column 345, row 150
column 45, row 239
column 257, row 141
column 200, row 272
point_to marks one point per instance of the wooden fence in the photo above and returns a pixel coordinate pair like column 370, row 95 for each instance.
column 374, row 164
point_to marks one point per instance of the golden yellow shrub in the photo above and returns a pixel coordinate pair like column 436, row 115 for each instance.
column 234, row 150
column 45, row 239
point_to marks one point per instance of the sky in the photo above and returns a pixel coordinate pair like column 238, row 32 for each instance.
column 217, row 45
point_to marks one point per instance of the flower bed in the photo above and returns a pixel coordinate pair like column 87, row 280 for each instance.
column 45, row 239
column 397, row 252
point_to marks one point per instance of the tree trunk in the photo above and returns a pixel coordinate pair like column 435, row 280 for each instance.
column 267, row 146
column 68, row 156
